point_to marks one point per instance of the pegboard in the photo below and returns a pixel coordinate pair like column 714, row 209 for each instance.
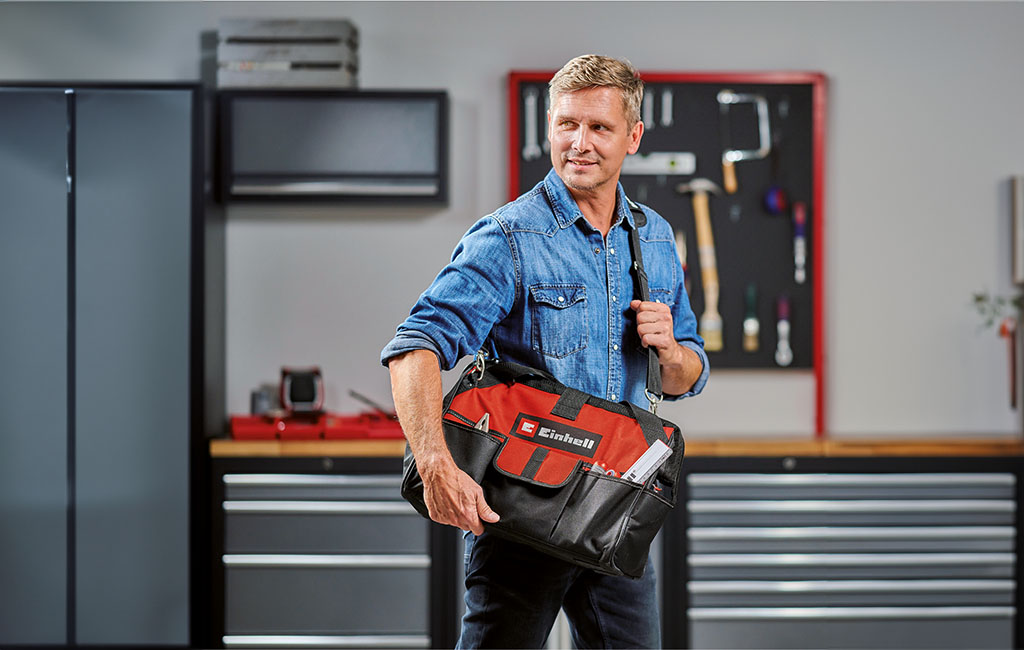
column 773, row 122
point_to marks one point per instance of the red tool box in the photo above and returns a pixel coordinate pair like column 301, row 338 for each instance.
column 328, row 426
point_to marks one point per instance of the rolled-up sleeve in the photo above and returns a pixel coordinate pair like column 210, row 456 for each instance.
column 477, row 289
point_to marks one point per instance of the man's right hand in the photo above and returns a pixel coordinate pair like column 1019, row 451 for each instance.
column 451, row 495
column 454, row 498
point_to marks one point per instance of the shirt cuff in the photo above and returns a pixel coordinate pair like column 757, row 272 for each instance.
column 698, row 386
column 406, row 342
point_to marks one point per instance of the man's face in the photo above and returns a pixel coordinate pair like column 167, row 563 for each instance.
column 590, row 137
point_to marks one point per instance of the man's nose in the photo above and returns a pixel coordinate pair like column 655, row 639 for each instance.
column 581, row 143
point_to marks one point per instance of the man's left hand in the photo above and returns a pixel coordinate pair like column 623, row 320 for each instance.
column 654, row 325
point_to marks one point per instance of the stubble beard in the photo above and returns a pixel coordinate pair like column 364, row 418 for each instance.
column 578, row 183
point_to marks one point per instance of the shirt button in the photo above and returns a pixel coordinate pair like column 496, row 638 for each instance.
column 615, row 346
column 614, row 397
column 597, row 250
column 561, row 298
column 614, row 298
column 611, row 250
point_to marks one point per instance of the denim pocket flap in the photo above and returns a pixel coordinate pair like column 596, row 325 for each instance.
column 558, row 295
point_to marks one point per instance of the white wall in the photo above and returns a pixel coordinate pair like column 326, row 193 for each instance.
column 924, row 128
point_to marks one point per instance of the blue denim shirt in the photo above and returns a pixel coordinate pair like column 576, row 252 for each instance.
column 537, row 280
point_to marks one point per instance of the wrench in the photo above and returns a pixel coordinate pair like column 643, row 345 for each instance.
column 544, row 144
column 532, row 150
column 666, row 107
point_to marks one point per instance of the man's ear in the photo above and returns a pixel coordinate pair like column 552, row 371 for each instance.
column 634, row 136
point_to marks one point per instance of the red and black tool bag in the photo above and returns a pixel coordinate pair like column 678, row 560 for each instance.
column 549, row 464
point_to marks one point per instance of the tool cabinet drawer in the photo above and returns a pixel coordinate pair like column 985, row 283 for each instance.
column 853, row 627
column 927, row 486
column 312, row 487
column 851, row 539
column 850, row 593
column 323, row 527
column 814, row 566
column 326, row 594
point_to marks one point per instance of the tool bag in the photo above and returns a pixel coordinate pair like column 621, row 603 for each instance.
column 551, row 459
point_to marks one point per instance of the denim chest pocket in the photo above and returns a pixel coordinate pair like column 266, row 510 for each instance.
column 662, row 295
column 559, row 315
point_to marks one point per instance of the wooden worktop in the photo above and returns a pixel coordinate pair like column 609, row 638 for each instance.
column 730, row 447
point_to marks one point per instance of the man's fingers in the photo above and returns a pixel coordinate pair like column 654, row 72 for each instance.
column 485, row 511
column 459, row 502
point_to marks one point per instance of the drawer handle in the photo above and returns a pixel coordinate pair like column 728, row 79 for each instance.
column 848, row 559
column 859, row 533
column 863, row 613
column 428, row 188
column 949, row 506
column 320, row 641
column 396, row 561
column 847, row 586
column 320, row 507
column 313, row 480
column 821, row 480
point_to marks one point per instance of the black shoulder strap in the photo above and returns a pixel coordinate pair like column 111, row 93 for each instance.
column 653, row 366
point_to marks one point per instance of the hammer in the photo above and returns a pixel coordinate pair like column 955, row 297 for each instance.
column 710, row 320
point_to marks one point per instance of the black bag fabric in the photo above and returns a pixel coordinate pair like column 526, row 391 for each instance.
column 549, row 458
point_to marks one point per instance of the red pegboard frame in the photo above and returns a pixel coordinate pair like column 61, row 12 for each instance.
column 818, row 83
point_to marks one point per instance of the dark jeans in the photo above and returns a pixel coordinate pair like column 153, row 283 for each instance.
column 513, row 594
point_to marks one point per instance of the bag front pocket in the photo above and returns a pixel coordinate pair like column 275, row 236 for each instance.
column 559, row 315
column 594, row 514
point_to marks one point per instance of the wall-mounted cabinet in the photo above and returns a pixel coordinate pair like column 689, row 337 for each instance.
column 334, row 145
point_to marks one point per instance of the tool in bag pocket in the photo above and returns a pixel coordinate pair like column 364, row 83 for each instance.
column 551, row 459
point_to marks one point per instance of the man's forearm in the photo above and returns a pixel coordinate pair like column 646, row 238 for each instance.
column 680, row 370
column 452, row 497
column 416, row 388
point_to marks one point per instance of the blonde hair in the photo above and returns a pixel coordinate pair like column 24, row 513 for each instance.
column 596, row 71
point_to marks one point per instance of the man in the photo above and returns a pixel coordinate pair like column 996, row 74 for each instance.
column 546, row 282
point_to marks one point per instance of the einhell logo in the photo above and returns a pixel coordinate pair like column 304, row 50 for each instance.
column 556, row 435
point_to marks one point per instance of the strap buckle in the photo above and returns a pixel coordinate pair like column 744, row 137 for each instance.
column 480, row 364
column 654, row 399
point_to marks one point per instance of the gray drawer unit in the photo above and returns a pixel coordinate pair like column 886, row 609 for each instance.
column 904, row 560
column 323, row 561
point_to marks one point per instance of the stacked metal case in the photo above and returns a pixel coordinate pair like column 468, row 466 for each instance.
column 254, row 53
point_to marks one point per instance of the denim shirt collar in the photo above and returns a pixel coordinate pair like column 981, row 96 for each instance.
column 567, row 212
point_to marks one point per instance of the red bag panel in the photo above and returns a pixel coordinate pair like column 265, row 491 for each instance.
column 523, row 412
column 554, row 470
